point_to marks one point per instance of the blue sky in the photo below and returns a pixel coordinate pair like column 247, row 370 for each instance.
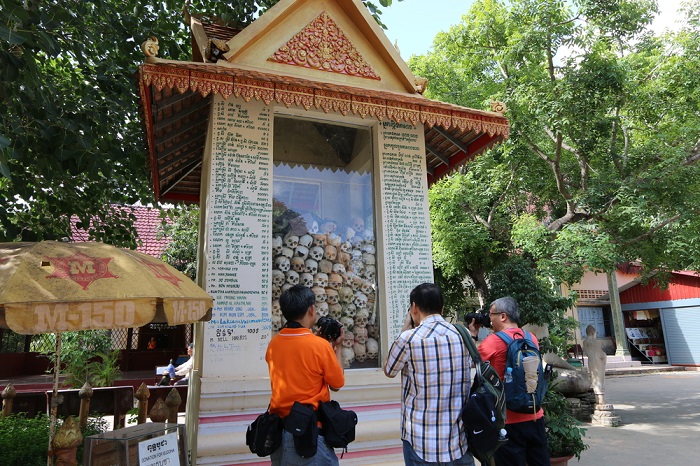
column 414, row 23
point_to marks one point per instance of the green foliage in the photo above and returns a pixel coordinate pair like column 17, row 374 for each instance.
column 183, row 232
column 564, row 431
column 71, row 140
column 537, row 299
column 24, row 441
column 604, row 126
column 85, row 357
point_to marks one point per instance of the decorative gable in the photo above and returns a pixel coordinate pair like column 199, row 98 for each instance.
column 323, row 46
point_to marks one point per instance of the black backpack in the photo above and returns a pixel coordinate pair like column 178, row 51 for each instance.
column 484, row 412
column 338, row 424
column 518, row 398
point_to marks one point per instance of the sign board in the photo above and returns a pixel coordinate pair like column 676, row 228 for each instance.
column 159, row 451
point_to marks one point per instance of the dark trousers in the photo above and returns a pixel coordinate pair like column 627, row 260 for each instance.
column 527, row 444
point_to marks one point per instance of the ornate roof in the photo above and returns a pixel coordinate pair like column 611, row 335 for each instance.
column 176, row 98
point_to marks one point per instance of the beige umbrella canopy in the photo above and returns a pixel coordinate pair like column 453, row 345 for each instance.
column 54, row 287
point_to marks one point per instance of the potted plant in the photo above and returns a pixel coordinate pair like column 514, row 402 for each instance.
column 564, row 431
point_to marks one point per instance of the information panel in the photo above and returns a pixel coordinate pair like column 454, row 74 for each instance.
column 238, row 238
column 406, row 220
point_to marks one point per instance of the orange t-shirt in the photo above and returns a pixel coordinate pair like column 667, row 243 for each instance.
column 494, row 350
column 302, row 367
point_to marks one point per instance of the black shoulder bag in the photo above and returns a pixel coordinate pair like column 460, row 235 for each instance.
column 264, row 435
column 338, row 424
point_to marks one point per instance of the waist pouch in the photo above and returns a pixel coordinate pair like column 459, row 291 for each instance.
column 302, row 424
column 264, row 435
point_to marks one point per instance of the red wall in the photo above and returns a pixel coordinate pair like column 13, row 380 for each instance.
column 681, row 286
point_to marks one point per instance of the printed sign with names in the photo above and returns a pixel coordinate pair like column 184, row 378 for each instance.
column 404, row 198
column 239, row 227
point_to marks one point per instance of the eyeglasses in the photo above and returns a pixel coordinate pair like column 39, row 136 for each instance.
column 495, row 313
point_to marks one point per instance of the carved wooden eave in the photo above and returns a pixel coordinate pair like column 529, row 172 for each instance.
column 176, row 95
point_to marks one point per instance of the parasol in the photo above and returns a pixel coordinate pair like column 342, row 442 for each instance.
column 54, row 287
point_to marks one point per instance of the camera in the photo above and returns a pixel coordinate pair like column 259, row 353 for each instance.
column 329, row 328
column 480, row 318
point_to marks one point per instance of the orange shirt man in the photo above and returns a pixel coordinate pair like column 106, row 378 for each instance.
column 303, row 367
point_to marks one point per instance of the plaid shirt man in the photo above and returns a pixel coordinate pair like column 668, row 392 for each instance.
column 435, row 379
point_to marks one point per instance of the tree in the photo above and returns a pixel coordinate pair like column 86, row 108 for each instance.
column 71, row 142
column 604, row 126
column 183, row 231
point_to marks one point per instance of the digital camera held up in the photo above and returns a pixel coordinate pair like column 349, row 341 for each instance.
column 329, row 328
column 480, row 318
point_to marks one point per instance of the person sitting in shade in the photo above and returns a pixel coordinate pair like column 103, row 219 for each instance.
column 185, row 368
column 168, row 374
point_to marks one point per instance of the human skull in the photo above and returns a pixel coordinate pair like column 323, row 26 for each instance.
column 348, row 339
column 328, row 227
column 344, row 259
column 366, row 287
column 345, row 246
column 286, row 286
column 358, row 224
column 320, row 294
column 287, row 252
column 305, row 240
column 278, row 277
column 277, row 245
column 369, row 272
column 335, row 310
column 356, row 283
column 350, row 310
column 276, row 323
column 320, row 240
column 282, row 263
column 361, row 318
column 325, row 266
column 368, row 248
column 292, row 277
column 368, row 258
column 347, row 323
column 372, row 347
column 331, row 296
column 356, row 242
column 360, row 352
column 316, row 253
column 291, row 241
column 306, row 279
column 297, row 264
column 311, row 266
column 339, row 268
column 335, row 281
column 276, row 290
column 373, row 331
column 333, row 240
column 321, row 279
column 345, row 294
column 330, row 253
column 349, row 233
column 312, row 226
column 276, row 309
column 360, row 300
column 301, row 251
column 321, row 310
column 347, row 355
column 360, row 334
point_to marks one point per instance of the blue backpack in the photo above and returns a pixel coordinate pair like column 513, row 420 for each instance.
column 518, row 398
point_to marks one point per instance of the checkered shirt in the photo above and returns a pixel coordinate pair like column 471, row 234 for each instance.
column 435, row 379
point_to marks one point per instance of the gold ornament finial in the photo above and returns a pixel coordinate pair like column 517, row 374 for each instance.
column 498, row 107
column 150, row 47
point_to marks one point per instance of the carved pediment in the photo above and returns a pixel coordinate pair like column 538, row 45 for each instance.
column 321, row 45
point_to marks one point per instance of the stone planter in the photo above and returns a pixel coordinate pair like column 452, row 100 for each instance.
column 561, row 461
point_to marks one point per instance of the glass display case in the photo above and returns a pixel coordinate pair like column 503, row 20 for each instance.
column 323, row 233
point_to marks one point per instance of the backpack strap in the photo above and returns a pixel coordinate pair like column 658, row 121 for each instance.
column 467, row 337
column 507, row 338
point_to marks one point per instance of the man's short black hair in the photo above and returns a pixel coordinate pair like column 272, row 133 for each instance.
column 296, row 301
column 428, row 298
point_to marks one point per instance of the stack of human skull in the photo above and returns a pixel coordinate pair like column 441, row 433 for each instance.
column 340, row 268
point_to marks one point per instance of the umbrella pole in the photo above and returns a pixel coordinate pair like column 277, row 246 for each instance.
column 54, row 399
